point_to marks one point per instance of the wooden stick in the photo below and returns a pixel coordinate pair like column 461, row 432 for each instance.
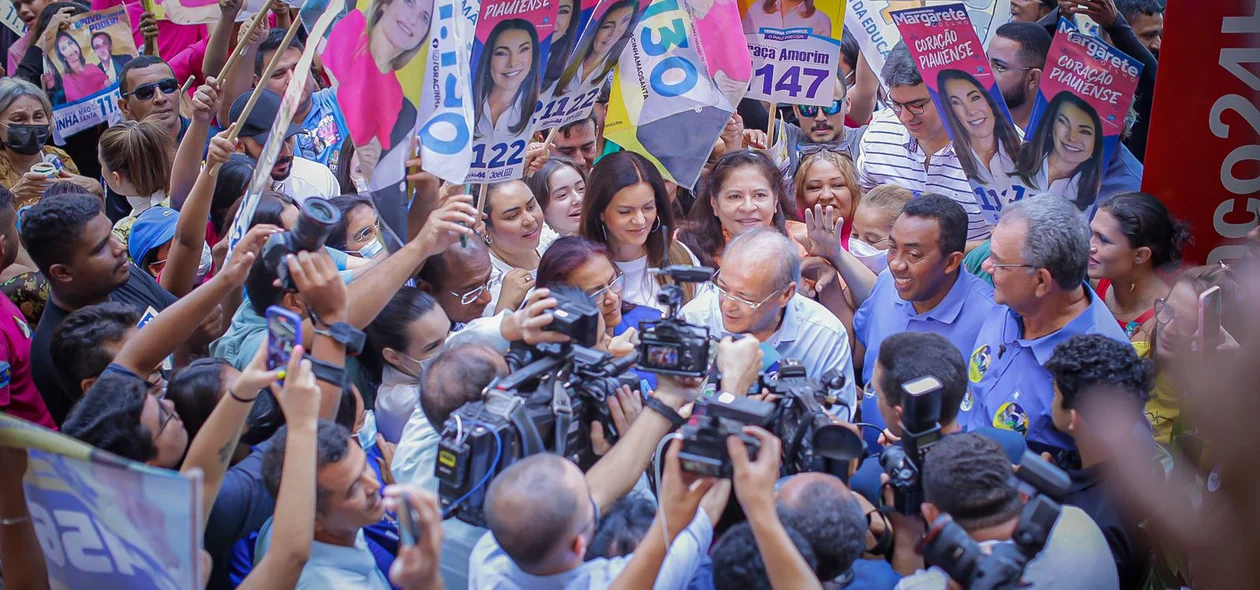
column 481, row 194
column 243, row 48
column 774, row 114
column 266, row 75
column 551, row 136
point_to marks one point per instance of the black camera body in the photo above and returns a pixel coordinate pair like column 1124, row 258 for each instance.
column 948, row 546
column 920, row 429
column 813, row 440
column 669, row 345
column 579, row 320
column 704, row 436
column 315, row 223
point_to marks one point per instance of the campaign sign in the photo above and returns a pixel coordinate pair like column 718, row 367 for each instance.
column 664, row 105
column 81, row 68
column 104, row 521
column 1086, row 91
column 203, row 12
column 947, row 53
column 510, row 49
column 796, row 52
column 11, row 19
column 725, row 56
column 584, row 49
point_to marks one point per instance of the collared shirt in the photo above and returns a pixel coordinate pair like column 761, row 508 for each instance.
column 808, row 333
column 325, row 129
column 489, row 132
column 889, row 155
column 332, row 566
column 416, row 454
column 1010, row 387
column 1091, row 495
column 18, row 395
column 308, row 179
column 489, row 567
column 958, row 317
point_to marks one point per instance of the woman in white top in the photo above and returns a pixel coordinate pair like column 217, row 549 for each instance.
column 984, row 136
column 600, row 46
column 559, row 187
column 792, row 15
column 507, row 84
column 401, row 343
column 514, row 224
column 1065, row 154
column 628, row 209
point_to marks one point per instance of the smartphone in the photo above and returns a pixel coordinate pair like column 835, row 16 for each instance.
column 284, row 332
column 408, row 530
column 1209, row 323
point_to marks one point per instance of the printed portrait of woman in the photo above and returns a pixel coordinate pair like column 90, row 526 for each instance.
column 364, row 51
column 111, row 65
column 1064, row 156
column 562, row 41
column 78, row 80
column 791, row 15
column 507, row 85
column 984, row 137
column 599, row 51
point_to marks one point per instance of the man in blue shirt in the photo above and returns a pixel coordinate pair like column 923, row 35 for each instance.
column 323, row 125
column 1038, row 260
column 924, row 289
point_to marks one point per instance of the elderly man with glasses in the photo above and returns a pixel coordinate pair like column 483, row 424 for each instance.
column 755, row 293
column 1038, row 260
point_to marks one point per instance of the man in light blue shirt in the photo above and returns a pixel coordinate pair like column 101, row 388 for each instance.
column 924, row 289
column 756, row 294
column 1038, row 260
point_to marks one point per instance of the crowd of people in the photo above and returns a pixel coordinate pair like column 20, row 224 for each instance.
column 864, row 257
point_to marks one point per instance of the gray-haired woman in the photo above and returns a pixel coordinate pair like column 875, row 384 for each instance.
column 25, row 126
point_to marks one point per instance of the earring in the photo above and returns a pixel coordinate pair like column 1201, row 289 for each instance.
column 487, row 238
column 657, row 225
column 604, row 229
column 1133, row 283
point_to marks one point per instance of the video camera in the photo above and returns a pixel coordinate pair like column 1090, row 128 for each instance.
column 669, row 345
column 920, row 429
column 948, row 546
column 813, row 440
column 546, row 403
column 316, row 219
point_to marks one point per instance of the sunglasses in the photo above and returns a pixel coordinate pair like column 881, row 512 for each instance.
column 812, row 111
column 146, row 91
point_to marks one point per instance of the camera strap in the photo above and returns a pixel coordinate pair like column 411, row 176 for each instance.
column 531, row 440
column 562, row 408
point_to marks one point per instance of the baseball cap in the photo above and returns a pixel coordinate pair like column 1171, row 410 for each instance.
column 258, row 124
column 154, row 227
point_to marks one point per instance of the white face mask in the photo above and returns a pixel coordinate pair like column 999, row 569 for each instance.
column 204, row 265
column 361, row 185
column 870, row 256
column 367, row 434
column 371, row 249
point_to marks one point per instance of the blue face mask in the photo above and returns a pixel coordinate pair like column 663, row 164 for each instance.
column 367, row 434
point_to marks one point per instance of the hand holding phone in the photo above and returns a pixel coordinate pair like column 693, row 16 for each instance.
column 284, row 333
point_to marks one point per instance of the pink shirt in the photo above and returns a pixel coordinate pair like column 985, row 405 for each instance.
column 173, row 40
column 18, row 396
column 16, row 51
column 84, row 84
column 347, row 59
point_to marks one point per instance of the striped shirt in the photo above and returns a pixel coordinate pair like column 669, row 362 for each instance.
column 889, row 155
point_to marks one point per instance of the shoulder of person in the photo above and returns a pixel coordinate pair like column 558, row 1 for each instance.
column 814, row 313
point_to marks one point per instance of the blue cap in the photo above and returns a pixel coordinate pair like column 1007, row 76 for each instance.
column 154, row 227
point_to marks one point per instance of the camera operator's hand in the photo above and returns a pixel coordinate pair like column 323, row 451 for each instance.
column 681, row 492
column 416, row 567
column 319, row 285
column 675, row 391
column 754, row 479
column 528, row 323
column 299, row 398
column 624, row 407
column 516, row 283
column 908, row 530
column 739, row 361
column 624, row 344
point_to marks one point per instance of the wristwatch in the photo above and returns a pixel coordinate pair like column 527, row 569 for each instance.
column 660, row 408
column 328, row 372
column 346, row 335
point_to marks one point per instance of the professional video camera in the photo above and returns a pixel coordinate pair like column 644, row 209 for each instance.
column 920, row 429
column 546, row 403
column 669, row 345
column 812, row 438
column 315, row 223
column 947, row 546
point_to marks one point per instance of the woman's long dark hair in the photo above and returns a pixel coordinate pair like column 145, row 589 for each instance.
column 1007, row 137
column 390, row 329
column 703, row 231
column 229, row 187
column 588, row 43
column 65, row 62
column 527, row 94
column 1034, row 151
column 1146, row 223
column 562, row 50
column 565, row 255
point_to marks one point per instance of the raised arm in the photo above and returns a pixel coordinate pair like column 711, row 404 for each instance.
column 864, row 93
column 187, row 163
column 219, row 45
column 824, row 229
column 180, row 272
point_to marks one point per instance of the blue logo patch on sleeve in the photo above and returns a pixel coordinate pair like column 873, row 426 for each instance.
column 6, row 373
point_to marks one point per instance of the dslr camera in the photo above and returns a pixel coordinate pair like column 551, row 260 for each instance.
column 920, row 429
column 704, row 436
column 948, row 546
column 669, row 345
column 316, row 219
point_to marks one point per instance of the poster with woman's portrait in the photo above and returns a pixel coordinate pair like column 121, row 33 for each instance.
column 795, row 47
column 81, row 67
column 948, row 54
column 510, row 49
column 1086, row 91
column 578, row 64
column 203, row 12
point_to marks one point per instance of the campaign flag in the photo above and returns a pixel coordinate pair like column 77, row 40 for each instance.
column 12, row 20
column 958, row 77
column 104, row 521
column 795, row 53
column 509, row 55
column 1085, row 94
column 725, row 56
column 584, row 50
column 201, row 12
column 1206, row 166
column 663, row 104
column 871, row 23
column 81, row 68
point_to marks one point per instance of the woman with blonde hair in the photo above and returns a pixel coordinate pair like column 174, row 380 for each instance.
column 829, row 179
column 136, row 159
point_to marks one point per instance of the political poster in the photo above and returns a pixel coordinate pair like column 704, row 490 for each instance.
column 1206, row 167
column 947, row 53
column 202, row 12
column 795, row 51
column 870, row 22
column 104, row 521
column 725, row 56
column 663, row 87
column 576, row 69
column 11, row 19
column 81, row 67
column 1086, row 90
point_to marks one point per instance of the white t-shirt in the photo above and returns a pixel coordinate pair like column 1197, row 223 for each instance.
column 640, row 287
column 308, row 179
column 495, row 285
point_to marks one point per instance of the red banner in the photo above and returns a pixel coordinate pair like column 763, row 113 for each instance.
column 1203, row 156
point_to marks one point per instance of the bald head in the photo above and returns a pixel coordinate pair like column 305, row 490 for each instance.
column 456, row 377
column 455, row 263
column 823, row 510
column 535, row 507
column 767, row 251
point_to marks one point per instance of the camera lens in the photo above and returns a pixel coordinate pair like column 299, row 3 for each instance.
column 315, row 224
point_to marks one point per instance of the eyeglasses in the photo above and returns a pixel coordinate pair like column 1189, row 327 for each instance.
column 164, row 415
column 1010, row 265
column 146, row 91
column 615, row 286
column 916, row 107
column 724, row 294
column 471, row 296
column 1001, row 68
column 1164, row 315
column 830, row 111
